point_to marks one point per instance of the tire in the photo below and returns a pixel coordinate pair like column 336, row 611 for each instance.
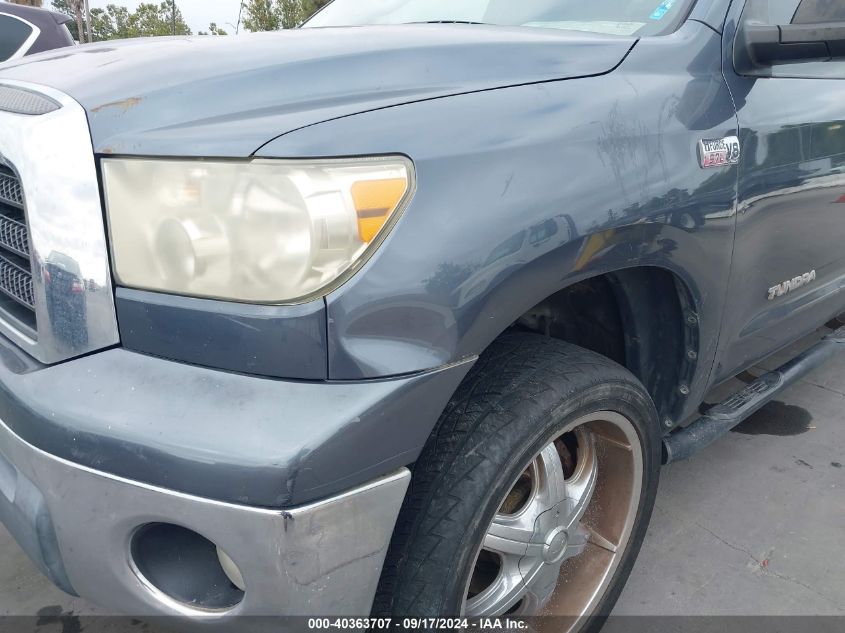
column 523, row 392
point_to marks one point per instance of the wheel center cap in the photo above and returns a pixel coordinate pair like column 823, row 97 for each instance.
column 555, row 545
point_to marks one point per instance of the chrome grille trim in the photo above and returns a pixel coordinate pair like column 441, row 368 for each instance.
column 15, row 263
column 23, row 101
column 16, row 283
column 14, row 236
column 49, row 185
column 10, row 189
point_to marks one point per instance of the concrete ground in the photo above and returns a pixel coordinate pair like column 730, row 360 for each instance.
column 755, row 525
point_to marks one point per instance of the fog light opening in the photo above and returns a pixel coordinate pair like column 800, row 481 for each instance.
column 187, row 567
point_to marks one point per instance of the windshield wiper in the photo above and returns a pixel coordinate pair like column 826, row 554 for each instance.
column 447, row 22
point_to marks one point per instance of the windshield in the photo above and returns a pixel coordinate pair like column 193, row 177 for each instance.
column 612, row 17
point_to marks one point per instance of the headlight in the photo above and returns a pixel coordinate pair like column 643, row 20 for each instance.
column 263, row 231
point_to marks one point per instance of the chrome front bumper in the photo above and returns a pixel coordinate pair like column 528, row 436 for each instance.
column 324, row 558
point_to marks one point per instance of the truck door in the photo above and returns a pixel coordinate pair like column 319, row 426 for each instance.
column 789, row 256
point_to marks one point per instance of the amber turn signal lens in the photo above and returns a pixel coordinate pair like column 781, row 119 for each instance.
column 375, row 201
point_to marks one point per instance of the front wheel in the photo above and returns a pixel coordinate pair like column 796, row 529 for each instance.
column 533, row 495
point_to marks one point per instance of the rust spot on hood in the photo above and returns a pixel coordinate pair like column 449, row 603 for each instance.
column 123, row 104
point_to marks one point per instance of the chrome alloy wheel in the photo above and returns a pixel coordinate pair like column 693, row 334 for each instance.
column 563, row 526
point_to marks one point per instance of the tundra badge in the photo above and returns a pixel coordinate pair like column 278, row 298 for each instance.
column 791, row 284
column 718, row 152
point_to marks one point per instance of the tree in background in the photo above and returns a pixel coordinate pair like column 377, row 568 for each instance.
column 111, row 23
column 310, row 7
column 76, row 10
column 117, row 22
column 271, row 15
column 213, row 29
column 261, row 15
column 151, row 20
column 290, row 13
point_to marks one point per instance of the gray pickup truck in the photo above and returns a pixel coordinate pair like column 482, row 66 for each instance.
column 399, row 313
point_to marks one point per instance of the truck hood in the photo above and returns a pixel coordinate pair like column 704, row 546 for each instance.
column 227, row 96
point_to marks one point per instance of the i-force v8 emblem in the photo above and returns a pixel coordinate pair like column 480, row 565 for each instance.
column 792, row 284
column 718, row 152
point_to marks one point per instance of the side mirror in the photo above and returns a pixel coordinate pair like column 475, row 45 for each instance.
column 762, row 46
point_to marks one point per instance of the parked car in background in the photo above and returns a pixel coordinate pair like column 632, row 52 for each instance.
column 27, row 30
column 400, row 314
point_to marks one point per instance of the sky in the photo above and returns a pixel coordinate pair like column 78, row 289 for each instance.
column 197, row 13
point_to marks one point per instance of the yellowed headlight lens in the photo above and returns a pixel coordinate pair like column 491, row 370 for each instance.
column 262, row 231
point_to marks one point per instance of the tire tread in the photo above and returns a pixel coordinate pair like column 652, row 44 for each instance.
column 514, row 383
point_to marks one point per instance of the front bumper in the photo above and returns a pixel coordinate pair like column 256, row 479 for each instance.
column 299, row 483
column 77, row 524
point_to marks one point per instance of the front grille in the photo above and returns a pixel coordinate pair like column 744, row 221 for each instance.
column 14, row 236
column 17, row 283
column 10, row 188
column 16, row 295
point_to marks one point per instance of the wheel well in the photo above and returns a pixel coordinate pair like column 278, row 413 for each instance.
column 642, row 318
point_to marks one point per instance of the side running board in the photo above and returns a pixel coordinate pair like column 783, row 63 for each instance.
column 721, row 418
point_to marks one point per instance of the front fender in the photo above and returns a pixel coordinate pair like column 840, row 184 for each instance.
column 526, row 190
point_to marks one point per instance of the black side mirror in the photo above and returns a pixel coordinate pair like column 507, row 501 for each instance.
column 760, row 47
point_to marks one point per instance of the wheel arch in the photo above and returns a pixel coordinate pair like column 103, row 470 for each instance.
column 643, row 317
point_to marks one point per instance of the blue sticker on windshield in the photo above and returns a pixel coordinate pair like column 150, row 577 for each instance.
column 662, row 10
